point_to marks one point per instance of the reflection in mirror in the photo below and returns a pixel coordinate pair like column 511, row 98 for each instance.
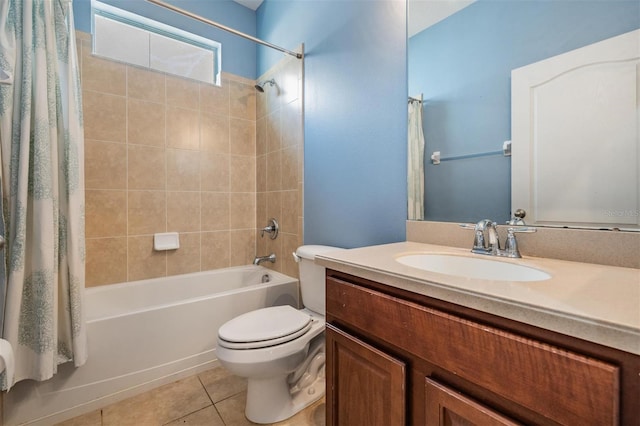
column 462, row 66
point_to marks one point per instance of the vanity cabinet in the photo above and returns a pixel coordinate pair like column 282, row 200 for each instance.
column 395, row 357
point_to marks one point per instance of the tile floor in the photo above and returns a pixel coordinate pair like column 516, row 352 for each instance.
column 211, row 398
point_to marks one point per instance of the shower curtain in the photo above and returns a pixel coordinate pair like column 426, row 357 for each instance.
column 415, row 162
column 42, row 162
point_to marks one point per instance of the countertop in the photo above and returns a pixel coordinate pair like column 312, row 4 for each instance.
column 596, row 303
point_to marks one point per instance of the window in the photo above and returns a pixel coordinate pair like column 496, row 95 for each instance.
column 127, row 37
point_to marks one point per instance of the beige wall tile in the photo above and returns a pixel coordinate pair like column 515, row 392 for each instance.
column 289, row 161
column 183, row 128
column 261, row 104
column 242, row 173
column 146, row 212
column 214, row 172
column 215, row 211
column 186, row 259
column 214, row 133
column 145, row 123
column 291, row 133
column 242, row 247
column 143, row 261
column 146, row 166
column 104, row 116
column 290, row 78
column 274, row 171
column 261, row 210
column 183, row 93
column 145, row 84
column 242, row 210
column 242, row 100
column 214, row 99
column 261, row 173
column 289, row 245
column 106, row 261
column 274, row 204
column 195, row 158
column 261, row 136
column 102, row 75
column 274, row 132
column 105, row 165
column 183, row 212
column 290, row 212
column 183, row 170
column 215, row 250
column 242, row 137
column 105, row 213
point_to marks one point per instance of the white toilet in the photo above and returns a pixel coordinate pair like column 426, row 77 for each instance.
column 280, row 350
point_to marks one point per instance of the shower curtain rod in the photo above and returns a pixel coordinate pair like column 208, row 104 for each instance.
column 223, row 27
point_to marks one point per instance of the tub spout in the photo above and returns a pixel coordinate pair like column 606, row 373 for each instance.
column 259, row 259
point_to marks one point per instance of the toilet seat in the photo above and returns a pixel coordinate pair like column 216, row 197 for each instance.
column 264, row 327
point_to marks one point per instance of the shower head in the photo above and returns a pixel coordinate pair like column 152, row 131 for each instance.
column 260, row 86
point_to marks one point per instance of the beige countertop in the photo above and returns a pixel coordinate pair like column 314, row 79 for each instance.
column 593, row 302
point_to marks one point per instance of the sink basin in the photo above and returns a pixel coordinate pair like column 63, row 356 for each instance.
column 473, row 267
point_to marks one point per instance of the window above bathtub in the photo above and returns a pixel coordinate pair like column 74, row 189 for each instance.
column 133, row 39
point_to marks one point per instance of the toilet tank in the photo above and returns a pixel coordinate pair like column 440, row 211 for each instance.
column 312, row 279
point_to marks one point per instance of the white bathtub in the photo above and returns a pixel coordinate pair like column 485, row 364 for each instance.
column 144, row 334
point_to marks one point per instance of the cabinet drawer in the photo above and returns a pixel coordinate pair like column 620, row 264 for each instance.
column 565, row 387
column 445, row 406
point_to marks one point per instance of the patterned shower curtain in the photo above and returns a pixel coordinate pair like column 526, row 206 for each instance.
column 42, row 160
column 415, row 162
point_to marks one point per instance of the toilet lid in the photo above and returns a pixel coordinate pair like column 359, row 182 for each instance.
column 264, row 327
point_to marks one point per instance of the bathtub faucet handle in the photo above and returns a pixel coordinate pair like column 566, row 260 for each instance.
column 271, row 229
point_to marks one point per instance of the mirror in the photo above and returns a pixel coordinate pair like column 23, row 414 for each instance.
column 461, row 66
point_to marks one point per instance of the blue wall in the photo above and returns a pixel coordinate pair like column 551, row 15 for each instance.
column 238, row 54
column 463, row 66
column 355, row 114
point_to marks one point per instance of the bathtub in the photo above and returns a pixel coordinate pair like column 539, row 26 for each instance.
column 144, row 334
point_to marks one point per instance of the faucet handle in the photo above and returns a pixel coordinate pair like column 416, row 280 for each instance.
column 272, row 229
column 511, row 245
column 479, row 244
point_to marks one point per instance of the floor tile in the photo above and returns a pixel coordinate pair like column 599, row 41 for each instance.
column 220, row 384
column 93, row 418
column 186, row 402
column 207, row 416
column 158, row 406
column 232, row 410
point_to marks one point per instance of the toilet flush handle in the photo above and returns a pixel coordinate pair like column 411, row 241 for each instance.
column 296, row 257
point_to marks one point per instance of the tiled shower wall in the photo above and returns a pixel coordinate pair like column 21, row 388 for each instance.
column 279, row 162
column 166, row 154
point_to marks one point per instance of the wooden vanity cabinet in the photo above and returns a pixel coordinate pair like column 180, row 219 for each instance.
column 396, row 357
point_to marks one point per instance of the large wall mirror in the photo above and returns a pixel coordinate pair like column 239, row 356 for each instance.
column 460, row 62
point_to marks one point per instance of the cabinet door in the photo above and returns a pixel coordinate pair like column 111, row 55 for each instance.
column 446, row 407
column 365, row 386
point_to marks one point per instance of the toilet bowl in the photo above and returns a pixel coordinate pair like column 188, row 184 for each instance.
column 280, row 349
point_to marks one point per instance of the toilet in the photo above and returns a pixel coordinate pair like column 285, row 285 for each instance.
column 281, row 349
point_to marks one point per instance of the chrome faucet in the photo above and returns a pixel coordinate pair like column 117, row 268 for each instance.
column 259, row 259
column 487, row 241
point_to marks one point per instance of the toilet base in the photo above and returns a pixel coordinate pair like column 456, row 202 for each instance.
column 271, row 401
